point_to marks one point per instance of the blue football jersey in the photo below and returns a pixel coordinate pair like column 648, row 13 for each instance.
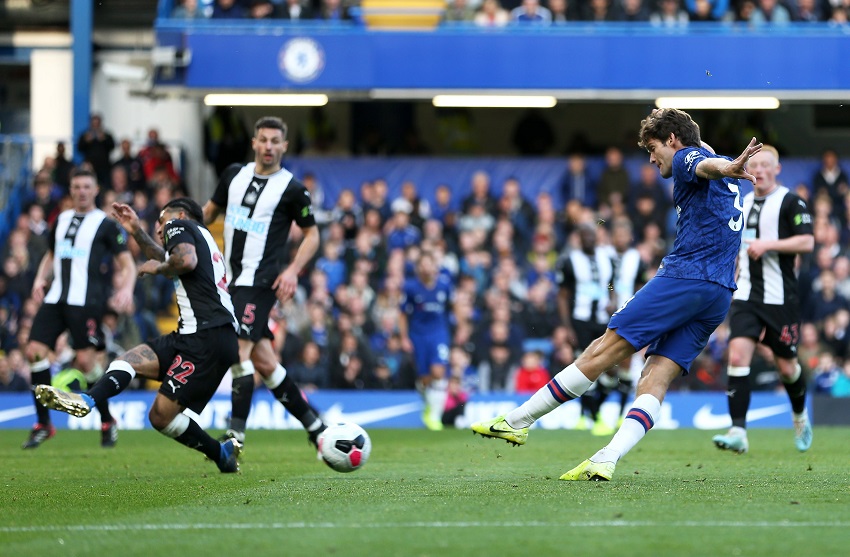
column 710, row 220
column 427, row 309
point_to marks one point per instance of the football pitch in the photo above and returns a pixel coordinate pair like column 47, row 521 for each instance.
column 426, row 494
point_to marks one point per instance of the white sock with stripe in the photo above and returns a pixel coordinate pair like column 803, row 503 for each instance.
column 639, row 420
column 570, row 383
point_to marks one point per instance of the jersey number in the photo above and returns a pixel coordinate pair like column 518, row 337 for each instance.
column 248, row 315
column 736, row 224
column 185, row 370
column 789, row 335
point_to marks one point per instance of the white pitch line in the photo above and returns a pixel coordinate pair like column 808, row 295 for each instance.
column 417, row 525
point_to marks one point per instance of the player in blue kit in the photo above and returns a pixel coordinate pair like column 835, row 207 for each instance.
column 674, row 314
column 424, row 328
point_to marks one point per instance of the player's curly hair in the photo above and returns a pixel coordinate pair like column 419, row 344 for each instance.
column 188, row 206
column 661, row 122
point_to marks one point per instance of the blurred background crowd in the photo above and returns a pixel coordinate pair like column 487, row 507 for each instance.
column 501, row 245
column 498, row 13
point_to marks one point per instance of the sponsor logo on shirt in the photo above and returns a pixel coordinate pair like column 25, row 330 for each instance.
column 237, row 217
column 66, row 250
column 691, row 158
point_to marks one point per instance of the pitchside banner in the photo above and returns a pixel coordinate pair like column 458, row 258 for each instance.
column 403, row 410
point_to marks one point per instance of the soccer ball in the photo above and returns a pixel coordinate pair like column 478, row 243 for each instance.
column 345, row 447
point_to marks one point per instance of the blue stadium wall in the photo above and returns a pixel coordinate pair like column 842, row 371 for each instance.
column 623, row 61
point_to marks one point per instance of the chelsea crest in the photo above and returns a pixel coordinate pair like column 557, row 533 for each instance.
column 301, row 59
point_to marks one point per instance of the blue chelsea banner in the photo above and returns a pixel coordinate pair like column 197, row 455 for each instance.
column 402, row 409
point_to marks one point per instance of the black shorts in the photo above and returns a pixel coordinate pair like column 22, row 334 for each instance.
column 81, row 322
column 252, row 306
column 192, row 366
column 781, row 325
column 587, row 332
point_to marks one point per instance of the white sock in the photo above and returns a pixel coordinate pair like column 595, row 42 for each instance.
column 639, row 420
column 570, row 383
column 275, row 379
column 435, row 398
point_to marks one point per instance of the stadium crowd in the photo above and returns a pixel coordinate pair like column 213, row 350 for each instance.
column 500, row 250
column 500, row 13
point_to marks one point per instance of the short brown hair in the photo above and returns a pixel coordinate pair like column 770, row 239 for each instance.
column 270, row 123
column 78, row 172
column 661, row 122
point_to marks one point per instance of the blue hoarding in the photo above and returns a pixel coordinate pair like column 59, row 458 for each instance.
column 589, row 57
column 402, row 409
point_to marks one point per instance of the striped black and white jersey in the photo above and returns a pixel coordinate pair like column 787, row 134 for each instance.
column 202, row 297
column 588, row 278
column 259, row 212
column 82, row 244
column 771, row 279
column 629, row 270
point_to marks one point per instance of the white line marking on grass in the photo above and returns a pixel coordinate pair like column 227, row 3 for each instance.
column 417, row 525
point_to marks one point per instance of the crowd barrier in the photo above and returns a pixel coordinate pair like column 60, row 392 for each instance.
column 402, row 409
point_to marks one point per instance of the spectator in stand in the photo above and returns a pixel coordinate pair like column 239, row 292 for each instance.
column 598, row 10
column 187, row 9
column 492, row 14
column 539, row 315
column 518, row 210
column 563, row 11
column 10, row 380
column 333, row 10
column 841, row 386
column 530, row 11
column 456, row 400
column 261, row 9
column 132, row 165
column 332, row 265
column 648, row 185
column 458, row 11
column 631, row 10
column 156, row 158
column 121, row 187
column 808, row 11
column 420, row 208
column 228, row 9
column 62, row 168
column 669, row 13
column 294, row 10
column 348, row 214
column 577, row 185
column 827, row 301
column 707, row 10
column 95, row 145
column 401, row 233
column 497, row 362
column 480, row 195
column 836, row 334
column 839, row 16
column 770, row 11
column 311, row 371
column 46, row 195
column 614, row 182
column 832, row 179
column 531, row 375
column 825, row 374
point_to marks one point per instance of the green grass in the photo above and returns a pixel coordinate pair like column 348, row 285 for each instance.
column 425, row 493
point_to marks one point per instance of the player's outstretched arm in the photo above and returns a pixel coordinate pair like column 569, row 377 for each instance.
column 182, row 259
column 717, row 168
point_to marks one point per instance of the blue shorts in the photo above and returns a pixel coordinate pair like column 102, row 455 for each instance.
column 673, row 317
column 429, row 350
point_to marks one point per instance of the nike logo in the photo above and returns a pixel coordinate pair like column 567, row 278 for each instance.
column 705, row 419
column 335, row 414
column 15, row 413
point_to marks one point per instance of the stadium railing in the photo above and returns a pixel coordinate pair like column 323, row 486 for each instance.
column 15, row 165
